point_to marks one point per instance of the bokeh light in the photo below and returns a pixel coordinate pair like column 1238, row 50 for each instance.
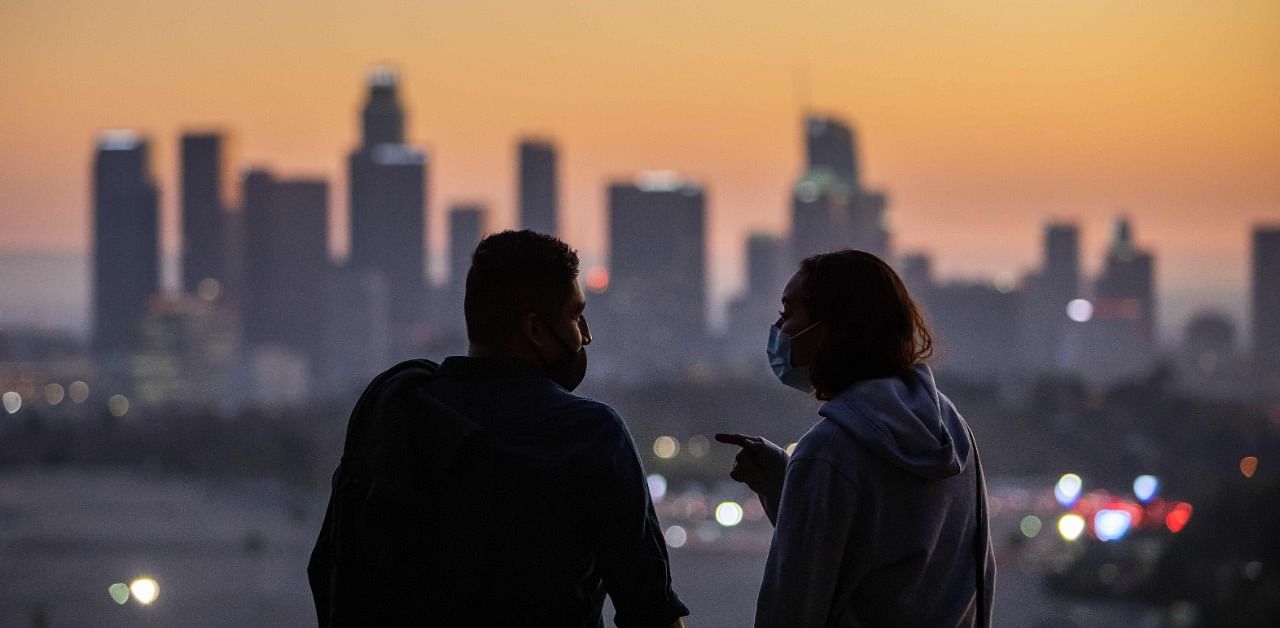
column 598, row 280
column 791, row 448
column 1111, row 524
column 666, row 447
column 1030, row 526
column 54, row 393
column 1080, row 310
column 1071, row 526
column 79, row 391
column 145, row 590
column 12, row 402
column 209, row 289
column 118, row 405
column 676, row 536
column 1248, row 466
column 119, row 593
column 699, row 446
column 729, row 514
column 657, row 486
column 1178, row 517
column 1068, row 489
column 1145, row 487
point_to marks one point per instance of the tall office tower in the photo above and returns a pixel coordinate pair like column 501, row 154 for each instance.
column 538, row 186
column 356, row 331
column 1266, row 303
column 767, row 270
column 286, row 265
column 388, row 202
column 657, row 260
column 829, row 144
column 971, row 324
column 189, row 354
column 1049, row 336
column 126, row 241
column 466, row 228
column 204, row 221
column 756, row 307
column 1122, row 329
column 830, row 208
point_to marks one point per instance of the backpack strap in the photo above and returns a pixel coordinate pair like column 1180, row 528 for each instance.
column 981, row 537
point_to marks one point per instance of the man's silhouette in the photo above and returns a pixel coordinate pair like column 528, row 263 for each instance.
column 484, row 492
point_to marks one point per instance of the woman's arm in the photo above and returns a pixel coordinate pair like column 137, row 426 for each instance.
column 810, row 545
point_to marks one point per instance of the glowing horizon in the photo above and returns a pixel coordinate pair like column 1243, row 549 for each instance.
column 982, row 123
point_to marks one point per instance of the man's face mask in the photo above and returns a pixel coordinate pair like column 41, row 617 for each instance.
column 779, row 350
column 569, row 369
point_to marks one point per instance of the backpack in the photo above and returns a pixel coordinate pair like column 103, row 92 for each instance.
column 400, row 448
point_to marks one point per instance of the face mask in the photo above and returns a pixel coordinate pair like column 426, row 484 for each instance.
column 779, row 350
column 570, row 368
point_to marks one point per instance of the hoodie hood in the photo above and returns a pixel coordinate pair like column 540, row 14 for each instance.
column 908, row 424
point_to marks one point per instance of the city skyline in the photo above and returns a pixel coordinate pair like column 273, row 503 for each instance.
column 978, row 148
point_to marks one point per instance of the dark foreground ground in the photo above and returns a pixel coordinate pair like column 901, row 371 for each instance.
column 235, row 554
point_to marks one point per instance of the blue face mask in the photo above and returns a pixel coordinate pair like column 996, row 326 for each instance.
column 779, row 349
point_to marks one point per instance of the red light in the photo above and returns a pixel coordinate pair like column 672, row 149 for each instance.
column 1177, row 518
column 598, row 279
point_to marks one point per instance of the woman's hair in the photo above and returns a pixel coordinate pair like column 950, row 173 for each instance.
column 872, row 328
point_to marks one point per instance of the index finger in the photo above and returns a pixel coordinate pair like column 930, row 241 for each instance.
column 741, row 440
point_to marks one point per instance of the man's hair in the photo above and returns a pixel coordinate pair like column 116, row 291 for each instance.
column 872, row 327
column 512, row 274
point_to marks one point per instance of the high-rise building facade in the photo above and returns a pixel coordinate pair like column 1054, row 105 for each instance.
column 756, row 308
column 1050, row 339
column 538, row 186
column 388, row 202
column 286, row 264
column 830, row 208
column 466, row 228
column 1266, row 302
column 204, row 221
column 126, row 241
column 657, row 261
column 1122, row 328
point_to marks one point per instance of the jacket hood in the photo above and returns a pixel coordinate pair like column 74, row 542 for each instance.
column 908, row 424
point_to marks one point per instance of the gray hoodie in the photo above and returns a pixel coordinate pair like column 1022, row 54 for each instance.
column 880, row 521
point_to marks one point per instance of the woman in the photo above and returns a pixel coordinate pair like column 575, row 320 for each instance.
column 879, row 514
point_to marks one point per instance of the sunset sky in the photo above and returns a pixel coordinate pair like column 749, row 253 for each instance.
column 981, row 120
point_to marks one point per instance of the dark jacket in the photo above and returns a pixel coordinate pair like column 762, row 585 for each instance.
column 504, row 500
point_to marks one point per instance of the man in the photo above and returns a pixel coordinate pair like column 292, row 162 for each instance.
column 543, row 508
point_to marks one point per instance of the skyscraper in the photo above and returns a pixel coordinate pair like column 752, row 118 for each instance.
column 466, row 228
column 757, row 306
column 1049, row 336
column 388, row 202
column 126, row 241
column 657, row 252
column 286, row 264
column 1266, row 302
column 830, row 208
column 204, row 222
column 538, row 193
column 829, row 144
column 1122, row 329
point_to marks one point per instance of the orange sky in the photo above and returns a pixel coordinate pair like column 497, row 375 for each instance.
column 981, row 121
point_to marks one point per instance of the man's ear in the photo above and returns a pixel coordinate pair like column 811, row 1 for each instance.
column 531, row 329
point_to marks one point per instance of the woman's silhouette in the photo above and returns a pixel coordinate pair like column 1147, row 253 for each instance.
column 879, row 513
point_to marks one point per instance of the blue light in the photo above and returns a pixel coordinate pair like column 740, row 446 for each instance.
column 1145, row 488
column 1067, row 490
column 1111, row 525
